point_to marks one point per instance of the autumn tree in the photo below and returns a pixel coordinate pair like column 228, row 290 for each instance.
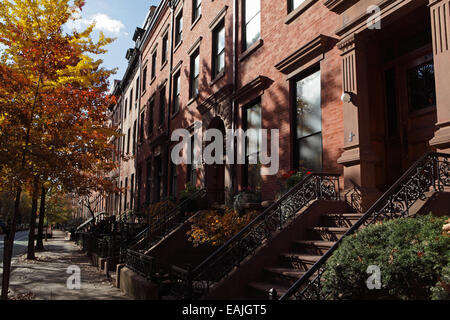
column 53, row 102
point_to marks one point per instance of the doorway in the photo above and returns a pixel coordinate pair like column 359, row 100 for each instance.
column 409, row 94
column 215, row 173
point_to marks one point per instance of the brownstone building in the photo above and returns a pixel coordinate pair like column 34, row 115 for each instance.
column 355, row 87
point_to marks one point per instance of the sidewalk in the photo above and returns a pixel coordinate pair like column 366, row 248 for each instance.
column 46, row 277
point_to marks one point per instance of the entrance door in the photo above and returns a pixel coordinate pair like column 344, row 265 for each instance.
column 215, row 173
column 410, row 111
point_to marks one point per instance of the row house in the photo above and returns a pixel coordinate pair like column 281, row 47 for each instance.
column 354, row 87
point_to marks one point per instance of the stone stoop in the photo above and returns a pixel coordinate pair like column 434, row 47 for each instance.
column 136, row 286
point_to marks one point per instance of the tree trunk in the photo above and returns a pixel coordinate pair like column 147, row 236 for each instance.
column 40, row 235
column 30, row 252
column 8, row 248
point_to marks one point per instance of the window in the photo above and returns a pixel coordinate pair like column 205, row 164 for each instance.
column 195, row 72
column 120, row 198
column 137, row 89
column 131, row 98
column 125, row 109
column 218, row 49
column 421, row 87
column 252, row 25
column 196, row 10
column 165, row 46
column 252, row 124
column 138, row 189
column 125, row 203
column 154, row 57
column 141, row 127
column 128, row 140
column 308, row 115
column 144, row 79
column 134, row 136
column 148, row 185
column 162, row 105
column 294, row 4
column 191, row 170
column 176, row 92
column 132, row 192
column 151, row 109
column 179, row 28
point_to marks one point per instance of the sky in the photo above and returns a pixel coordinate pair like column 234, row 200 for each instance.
column 118, row 19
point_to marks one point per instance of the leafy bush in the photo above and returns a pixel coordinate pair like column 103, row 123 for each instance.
column 215, row 228
column 410, row 252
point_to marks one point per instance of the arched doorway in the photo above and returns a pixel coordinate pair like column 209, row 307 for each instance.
column 215, row 173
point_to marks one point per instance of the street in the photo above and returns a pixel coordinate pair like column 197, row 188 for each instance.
column 20, row 245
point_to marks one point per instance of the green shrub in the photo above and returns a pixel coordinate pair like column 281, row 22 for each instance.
column 410, row 252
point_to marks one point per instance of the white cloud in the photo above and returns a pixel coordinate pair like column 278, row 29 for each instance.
column 102, row 21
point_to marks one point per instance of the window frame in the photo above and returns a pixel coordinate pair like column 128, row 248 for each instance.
column 196, row 10
column 245, row 46
column 162, row 105
column 215, row 43
column 179, row 28
column 194, row 78
column 296, row 143
column 176, row 92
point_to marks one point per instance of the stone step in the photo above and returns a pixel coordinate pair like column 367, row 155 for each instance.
column 300, row 261
column 285, row 273
column 345, row 220
column 328, row 233
column 318, row 247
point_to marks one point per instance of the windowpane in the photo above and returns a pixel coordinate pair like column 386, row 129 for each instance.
column 253, row 31
column 309, row 122
column 150, row 117
column 176, row 93
column 252, row 8
column 296, row 3
column 309, row 113
column 253, row 145
column 421, row 87
column 195, row 71
column 310, row 152
column 162, row 105
column 221, row 40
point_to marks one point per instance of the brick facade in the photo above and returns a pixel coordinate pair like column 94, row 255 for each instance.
column 330, row 36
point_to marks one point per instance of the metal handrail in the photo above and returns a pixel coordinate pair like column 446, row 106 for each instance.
column 316, row 182
column 158, row 224
column 90, row 220
column 382, row 202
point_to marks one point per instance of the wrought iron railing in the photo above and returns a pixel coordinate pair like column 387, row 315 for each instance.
column 83, row 227
column 353, row 197
column 430, row 172
column 194, row 284
column 167, row 222
column 141, row 264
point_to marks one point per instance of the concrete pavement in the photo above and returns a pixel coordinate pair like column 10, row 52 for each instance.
column 46, row 278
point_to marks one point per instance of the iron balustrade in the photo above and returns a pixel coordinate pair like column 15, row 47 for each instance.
column 354, row 197
column 168, row 221
column 187, row 284
column 141, row 264
column 430, row 172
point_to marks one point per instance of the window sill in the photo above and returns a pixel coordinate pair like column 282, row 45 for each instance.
column 143, row 92
column 163, row 65
column 298, row 11
column 177, row 46
column 153, row 80
column 196, row 21
column 219, row 76
column 174, row 115
column 192, row 100
column 251, row 50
